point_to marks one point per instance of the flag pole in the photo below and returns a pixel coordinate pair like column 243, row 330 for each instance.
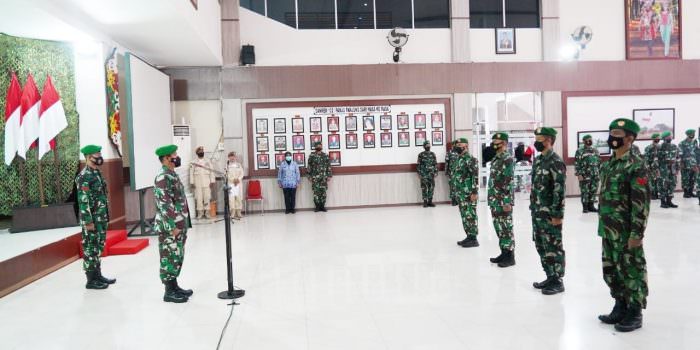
column 42, row 201
column 57, row 172
column 23, row 181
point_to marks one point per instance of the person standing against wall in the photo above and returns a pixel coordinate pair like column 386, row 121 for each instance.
column 689, row 167
column 319, row 174
column 587, row 171
column 202, row 178
column 427, row 171
column 288, row 179
column 235, row 179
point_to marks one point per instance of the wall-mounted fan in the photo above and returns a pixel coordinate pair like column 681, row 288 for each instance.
column 397, row 38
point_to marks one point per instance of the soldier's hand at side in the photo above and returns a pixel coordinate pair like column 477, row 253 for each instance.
column 555, row 221
column 175, row 232
column 579, row 177
column 634, row 243
column 474, row 197
column 90, row 227
column 507, row 208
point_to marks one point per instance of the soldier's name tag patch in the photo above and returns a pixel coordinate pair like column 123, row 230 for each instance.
column 84, row 188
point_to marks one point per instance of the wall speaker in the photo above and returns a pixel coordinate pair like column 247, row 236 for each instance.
column 247, row 55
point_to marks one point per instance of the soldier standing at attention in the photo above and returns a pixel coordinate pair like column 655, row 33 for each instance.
column 624, row 210
column 94, row 216
column 697, row 174
column 547, row 208
column 689, row 167
column 668, row 160
column 201, row 177
column 171, row 223
column 587, row 170
column 466, row 183
column 501, row 199
column 651, row 159
column 427, row 170
column 319, row 175
column 450, row 160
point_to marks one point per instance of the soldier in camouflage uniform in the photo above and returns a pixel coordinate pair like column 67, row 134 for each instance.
column 651, row 159
column 668, row 169
column 697, row 174
column 427, row 171
column 94, row 216
column 171, row 223
column 465, row 177
column 547, row 208
column 587, row 170
column 689, row 167
column 624, row 210
column 501, row 199
column 450, row 160
column 319, row 168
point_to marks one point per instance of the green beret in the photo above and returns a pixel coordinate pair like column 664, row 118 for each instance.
column 500, row 136
column 454, row 142
column 317, row 143
column 166, row 150
column 545, row 131
column 625, row 124
column 690, row 132
column 426, row 143
column 90, row 149
column 462, row 140
column 665, row 134
column 655, row 135
column 587, row 136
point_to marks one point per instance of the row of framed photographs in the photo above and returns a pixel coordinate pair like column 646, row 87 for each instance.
column 351, row 141
column 300, row 158
column 333, row 123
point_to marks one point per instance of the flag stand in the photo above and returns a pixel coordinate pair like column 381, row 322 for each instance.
column 42, row 201
column 57, row 171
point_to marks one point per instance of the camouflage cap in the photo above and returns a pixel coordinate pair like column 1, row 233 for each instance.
column 500, row 136
column 587, row 136
column 462, row 140
column 166, row 150
column 545, row 131
column 665, row 134
column 90, row 149
column 655, row 135
column 690, row 132
column 625, row 124
column 426, row 143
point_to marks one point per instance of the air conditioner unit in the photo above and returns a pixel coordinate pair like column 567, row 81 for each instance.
column 183, row 138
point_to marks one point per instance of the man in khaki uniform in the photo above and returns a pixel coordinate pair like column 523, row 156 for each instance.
column 201, row 177
column 235, row 179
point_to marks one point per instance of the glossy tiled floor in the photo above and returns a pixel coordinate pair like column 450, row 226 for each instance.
column 388, row 278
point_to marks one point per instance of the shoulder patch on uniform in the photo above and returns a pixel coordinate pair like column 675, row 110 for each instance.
column 84, row 188
column 642, row 181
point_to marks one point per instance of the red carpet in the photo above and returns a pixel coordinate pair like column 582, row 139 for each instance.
column 118, row 244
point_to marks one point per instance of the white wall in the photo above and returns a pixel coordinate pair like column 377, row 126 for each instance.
column 528, row 46
column 205, row 20
column 607, row 20
column 205, row 119
column 690, row 29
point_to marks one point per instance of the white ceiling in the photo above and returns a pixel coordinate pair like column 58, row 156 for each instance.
column 163, row 32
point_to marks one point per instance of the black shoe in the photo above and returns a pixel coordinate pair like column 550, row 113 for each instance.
column 430, row 204
column 171, row 295
column 323, row 208
column 592, row 208
column 317, row 208
column 462, row 241
column 470, row 243
column 425, row 204
column 104, row 279
column 670, row 203
column 93, row 282
column 616, row 315
column 664, row 204
column 698, row 200
column 654, row 196
column 631, row 321
column 185, row 292
column 508, row 259
column 498, row 258
column 454, row 202
column 585, row 209
column 555, row 287
column 686, row 194
column 293, row 211
column 543, row 284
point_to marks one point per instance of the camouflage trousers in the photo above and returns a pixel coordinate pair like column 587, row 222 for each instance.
column 453, row 197
column 93, row 244
column 667, row 183
column 427, row 186
column 688, row 178
column 470, row 223
column 319, row 188
column 549, row 245
column 654, row 181
column 589, row 189
column 697, row 183
column 503, row 224
column 625, row 272
column 172, row 254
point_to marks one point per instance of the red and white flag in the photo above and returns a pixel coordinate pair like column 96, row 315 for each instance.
column 13, row 136
column 52, row 118
column 29, row 116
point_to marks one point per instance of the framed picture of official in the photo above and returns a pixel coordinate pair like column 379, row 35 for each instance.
column 263, row 161
column 351, row 123
column 300, row 159
column 333, row 124
column 420, row 138
column 436, row 121
column 279, row 158
column 334, row 157
column 419, row 121
column 385, row 122
column 262, row 144
column 313, row 139
column 297, row 124
column 350, row 141
column 280, row 125
column 404, row 139
column 261, row 126
column 334, row 141
column 315, row 124
column 505, row 41
column 385, row 139
column 437, row 138
column 368, row 140
column 298, row 142
column 368, row 123
column 402, row 121
column 280, row 143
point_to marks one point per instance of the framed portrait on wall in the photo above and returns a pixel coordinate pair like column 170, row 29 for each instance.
column 263, row 161
column 315, row 124
column 298, row 142
column 419, row 121
column 368, row 123
column 300, row 159
column 280, row 125
column 436, row 121
column 280, row 143
column 350, row 141
column 385, row 139
column 599, row 138
column 505, row 41
column 404, row 139
column 351, row 123
column 368, row 140
column 402, row 121
column 420, row 138
column 297, row 124
column 262, row 144
column 261, row 126
column 437, row 138
column 279, row 158
column 313, row 139
column 333, row 124
column 385, row 122
column 334, row 157
column 653, row 29
column 654, row 121
column 334, row 141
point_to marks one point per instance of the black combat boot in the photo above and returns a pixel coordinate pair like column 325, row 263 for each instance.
column 185, row 292
column 585, row 207
column 555, row 287
column 616, row 315
column 508, row 259
column 430, row 203
column 592, row 208
column 454, row 202
column 664, row 204
column 670, row 203
column 171, row 294
column 498, row 258
column 104, row 279
column 654, row 196
column 425, row 204
column 317, row 208
column 632, row 319
column 470, row 243
column 323, row 208
column 686, row 194
column 93, row 282
column 543, row 284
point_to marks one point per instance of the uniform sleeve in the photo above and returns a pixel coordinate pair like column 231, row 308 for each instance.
column 639, row 202
column 164, row 203
column 558, row 192
column 578, row 162
column 506, row 180
column 434, row 160
column 532, row 181
column 83, row 196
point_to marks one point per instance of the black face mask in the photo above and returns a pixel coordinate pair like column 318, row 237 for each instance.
column 176, row 161
column 98, row 160
column 656, row 141
column 200, row 154
column 539, row 146
column 588, row 143
column 616, row 142
column 427, row 149
column 319, row 149
column 458, row 149
column 667, row 140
